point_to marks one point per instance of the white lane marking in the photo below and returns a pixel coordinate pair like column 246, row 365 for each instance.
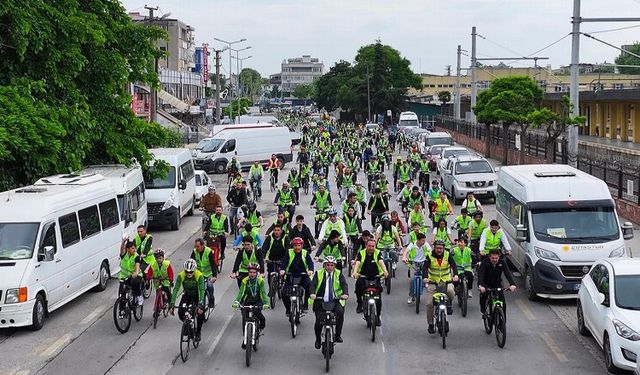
column 553, row 347
column 89, row 318
column 526, row 311
column 217, row 340
column 383, row 349
column 56, row 345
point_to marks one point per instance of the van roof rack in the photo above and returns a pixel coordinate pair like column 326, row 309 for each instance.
column 31, row 190
column 555, row 174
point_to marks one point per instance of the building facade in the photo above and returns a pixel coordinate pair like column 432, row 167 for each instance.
column 298, row 71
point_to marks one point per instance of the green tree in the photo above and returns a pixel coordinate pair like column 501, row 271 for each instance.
column 64, row 71
column 508, row 101
column 251, row 82
column 304, row 91
column 444, row 97
column 627, row 59
column 555, row 124
column 327, row 86
column 275, row 92
column 232, row 109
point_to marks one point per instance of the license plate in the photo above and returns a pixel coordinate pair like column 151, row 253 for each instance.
column 150, row 217
column 576, row 286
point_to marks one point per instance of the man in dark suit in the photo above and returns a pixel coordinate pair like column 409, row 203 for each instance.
column 329, row 284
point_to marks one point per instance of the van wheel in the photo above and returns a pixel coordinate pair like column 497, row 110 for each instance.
column 193, row 207
column 219, row 168
column 454, row 198
column 103, row 277
column 281, row 161
column 176, row 223
column 38, row 314
column 528, row 284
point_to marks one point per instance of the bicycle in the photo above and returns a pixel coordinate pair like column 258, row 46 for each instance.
column 188, row 332
column 388, row 260
column 440, row 301
column 160, row 306
column 370, row 312
column 328, row 322
column 417, row 285
column 304, row 183
column 209, row 299
column 275, row 285
column 462, row 293
column 123, row 308
column 251, row 331
column 214, row 242
column 146, row 288
column 319, row 218
column 233, row 212
column 296, row 294
column 256, row 191
column 496, row 316
column 272, row 181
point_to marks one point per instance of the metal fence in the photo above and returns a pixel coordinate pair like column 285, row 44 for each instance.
column 620, row 170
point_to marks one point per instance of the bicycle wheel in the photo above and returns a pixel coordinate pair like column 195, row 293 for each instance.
column 417, row 293
column 184, row 341
column 501, row 326
column 465, row 298
column 146, row 289
column 156, row 312
column 248, row 335
column 220, row 262
column 192, row 332
column 488, row 324
column 272, row 292
column 207, row 310
column 373, row 322
column 327, row 349
column 443, row 328
column 292, row 320
column 387, row 281
column 137, row 312
column 122, row 315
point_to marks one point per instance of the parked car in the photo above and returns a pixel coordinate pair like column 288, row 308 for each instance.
column 202, row 185
column 415, row 133
column 469, row 173
column 435, row 138
column 609, row 310
column 449, row 152
column 371, row 127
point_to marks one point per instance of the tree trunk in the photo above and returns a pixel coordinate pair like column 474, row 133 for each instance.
column 549, row 150
column 505, row 144
column 487, row 141
column 523, row 132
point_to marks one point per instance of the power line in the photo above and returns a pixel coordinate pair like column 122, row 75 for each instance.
column 499, row 45
column 550, row 45
column 610, row 30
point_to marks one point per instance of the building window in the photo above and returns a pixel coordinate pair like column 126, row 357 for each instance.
column 618, row 86
column 559, row 88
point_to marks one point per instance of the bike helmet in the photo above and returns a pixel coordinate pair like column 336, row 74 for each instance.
column 438, row 243
column 253, row 266
column 190, row 265
column 332, row 211
column 385, row 218
column 158, row 252
column 297, row 241
column 330, row 259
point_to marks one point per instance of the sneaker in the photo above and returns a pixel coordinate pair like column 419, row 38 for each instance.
column 359, row 309
column 379, row 322
column 339, row 339
column 411, row 300
column 243, row 346
column 197, row 336
column 140, row 300
column 449, row 310
column 470, row 294
column 431, row 329
column 395, row 265
column 317, row 344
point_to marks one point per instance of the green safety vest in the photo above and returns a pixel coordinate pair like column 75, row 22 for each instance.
column 140, row 245
column 424, row 166
column 294, row 180
column 254, row 234
column 259, row 292
column 202, row 259
column 216, row 227
column 396, row 167
column 416, row 217
column 127, row 266
column 413, row 200
column 347, row 181
column 463, row 222
column 192, row 286
column 442, row 208
column 462, row 257
column 338, row 225
column 406, row 193
column 253, row 219
column 322, row 202
column 305, row 171
column 256, row 171
column 292, row 255
column 351, row 225
column 439, row 273
column 435, row 193
column 246, row 260
column 337, row 289
column 386, row 239
column 352, row 164
column 331, row 250
column 162, row 271
column 471, row 209
column 284, row 198
column 373, row 166
column 493, row 240
column 414, row 156
column 413, row 237
column 359, row 194
column 477, row 228
column 442, row 235
column 405, row 173
column 363, row 255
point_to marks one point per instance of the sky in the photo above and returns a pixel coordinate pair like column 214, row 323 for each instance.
column 426, row 32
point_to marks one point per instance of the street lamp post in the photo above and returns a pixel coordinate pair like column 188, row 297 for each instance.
column 240, row 83
column 237, row 51
column 229, row 44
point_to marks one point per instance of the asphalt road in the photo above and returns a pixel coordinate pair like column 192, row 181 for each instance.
column 80, row 338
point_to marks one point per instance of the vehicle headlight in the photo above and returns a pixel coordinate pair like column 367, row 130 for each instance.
column 624, row 331
column 169, row 201
column 16, row 295
column 617, row 253
column 545, row 254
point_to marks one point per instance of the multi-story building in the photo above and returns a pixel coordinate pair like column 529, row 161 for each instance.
column 299, row 70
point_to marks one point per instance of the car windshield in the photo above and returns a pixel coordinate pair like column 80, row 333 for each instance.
column 408, row 122
column 431, row 141
column 435, row 151
column 449, row 153
column 627, row 296
column 17, row 240
column 575, row 225
column 474, row 166
column 210, row 145
column 160, row 183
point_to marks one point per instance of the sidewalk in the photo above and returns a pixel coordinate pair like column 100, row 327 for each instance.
column 611, row 144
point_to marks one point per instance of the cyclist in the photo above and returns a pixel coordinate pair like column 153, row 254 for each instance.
column 351, row 201
column 397, row 223
column 294, row 182
column 441, row 208
column 253, row 293
column 378, row 205
column 273, row 165
column 471, row 204
column 298, row 263
column 352, row 224
column 251, row 215
column 437, row 268
column 328, row 284
column 361, row 197
column 255, row 176
column 285, row 199
column 219, row 228
column 302, row 230
column 372, row 169
column 237, row 197
column 396, row 170
column 404, row 194
column 276, row 245
column 463, row 257
column 303, row 156
column 387, row 236
column 416, row 216
column 143, row 241
column 322, row 201
column 192, row 281
column 493, row 238
column 248, row 255
column 414, row 197
column 204, row 257
column 130, row 273
column 249, row 231
column 210, row 201
column 331, row 224
column 476, row 228
column 404, row 174
column 442, row 233
column 433, row 193
column 233, row 166
column 332, row 247
column 347, row 180
column 282, row 221
column 319, row 179
column 423, row 167
column 416, row 253
column 490, row 276
column 415, row 229
column 369, row 264
column 162, row 270
column 462, row 222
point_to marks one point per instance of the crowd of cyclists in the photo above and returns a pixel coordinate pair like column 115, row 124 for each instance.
column 355, row 232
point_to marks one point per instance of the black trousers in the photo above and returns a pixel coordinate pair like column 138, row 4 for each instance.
column 338, row 310
column 185, row 301
column 483, row 301
column 361, row 284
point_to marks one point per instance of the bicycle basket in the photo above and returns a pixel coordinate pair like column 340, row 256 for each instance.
column 327, row 318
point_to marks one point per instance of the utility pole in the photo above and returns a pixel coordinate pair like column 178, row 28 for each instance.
column 218, row 109
column 230, row 74
column 368, row 96
column 154, row 91
column 457, row 88
column 474, row 89
column 574, row 94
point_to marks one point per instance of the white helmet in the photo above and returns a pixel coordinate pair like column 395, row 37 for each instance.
column 329, row 259
column 190, row 265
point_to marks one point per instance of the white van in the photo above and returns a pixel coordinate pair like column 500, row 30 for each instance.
column 560, row 220
column 171, row 197
column 58, row 239
column 248, row 145
column 128, row 183
column 408, row 120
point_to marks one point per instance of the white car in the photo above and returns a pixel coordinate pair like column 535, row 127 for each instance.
column 202, row 185
column 449, row 152
column 465, row 174
column 609, row 310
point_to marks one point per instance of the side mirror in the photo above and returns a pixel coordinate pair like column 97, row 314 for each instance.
column 182, row 185
column 46, row 254
column 602, row 299
column 627, row 230
column 521, row 233
column 497, row 169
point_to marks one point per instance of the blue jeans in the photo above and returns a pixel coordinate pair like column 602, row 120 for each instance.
column 210, row 292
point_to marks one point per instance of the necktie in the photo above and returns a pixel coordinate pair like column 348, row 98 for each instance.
column 330, row 286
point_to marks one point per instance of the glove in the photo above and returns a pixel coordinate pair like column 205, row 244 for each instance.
column 265, row 307
column 235, row 304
